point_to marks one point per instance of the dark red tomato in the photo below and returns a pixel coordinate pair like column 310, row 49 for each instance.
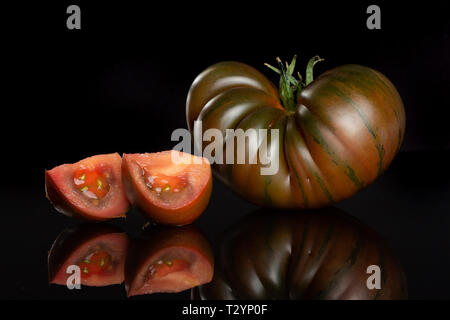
column 337, row 134
column 168, row 260
column 89, row 189
column 98, row 250
column 165, row 191
column 306, row 255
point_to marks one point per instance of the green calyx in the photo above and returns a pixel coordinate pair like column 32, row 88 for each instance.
column 290, row 86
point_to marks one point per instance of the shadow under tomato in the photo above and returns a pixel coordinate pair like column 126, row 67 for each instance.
column 320, row 254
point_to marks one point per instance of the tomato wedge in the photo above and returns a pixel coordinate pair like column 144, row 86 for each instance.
column 167, row 191
column 98, row 250
column 168, row 259
column 89, row 189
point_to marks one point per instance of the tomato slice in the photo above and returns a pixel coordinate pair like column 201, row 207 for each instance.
column 167, row 191
column 90, row 189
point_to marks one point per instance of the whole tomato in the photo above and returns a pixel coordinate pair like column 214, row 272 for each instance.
column 336, row 134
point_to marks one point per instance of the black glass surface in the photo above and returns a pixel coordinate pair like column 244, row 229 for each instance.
column 120, row 85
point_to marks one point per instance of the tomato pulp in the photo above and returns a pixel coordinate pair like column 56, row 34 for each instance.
column 92, row 183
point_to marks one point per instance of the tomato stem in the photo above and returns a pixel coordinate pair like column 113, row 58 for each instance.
column 310, row 67
column 289, row 86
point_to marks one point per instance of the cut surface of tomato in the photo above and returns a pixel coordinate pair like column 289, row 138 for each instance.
column 92, row 183
column 167, row 191
column 89, row 189
column 163, row 183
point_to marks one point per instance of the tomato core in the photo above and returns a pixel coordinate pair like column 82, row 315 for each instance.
column 164, row 183
column 92, row 183
column 95, row 263
column 164, row 267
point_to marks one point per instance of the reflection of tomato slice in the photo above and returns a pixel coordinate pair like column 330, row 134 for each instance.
column 90, row 189
column 168, row 260
column 99, row 251
column 167, row 192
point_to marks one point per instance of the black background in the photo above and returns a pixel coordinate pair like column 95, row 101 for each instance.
column 120, row 83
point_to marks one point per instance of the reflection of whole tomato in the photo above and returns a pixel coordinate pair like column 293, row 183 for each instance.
column 302, row 256
column 337, row 133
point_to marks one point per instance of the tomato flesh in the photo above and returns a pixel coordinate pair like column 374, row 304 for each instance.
column 92, row 183
column 164, row 267
column 96, row 263
column 159, row 182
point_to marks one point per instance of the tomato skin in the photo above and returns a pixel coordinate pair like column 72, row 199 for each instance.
column 320, row 254
column 221, row 77
column 348, row 125
column 138, row 196
column 158, row 241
